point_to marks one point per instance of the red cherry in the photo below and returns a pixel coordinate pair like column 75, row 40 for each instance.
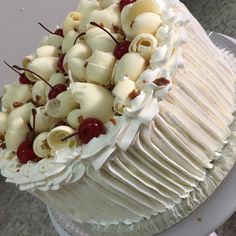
column 55, row 90
column 121, row 49
column 24, row 80
column 59, row 32
column 25, row 152
column 90, row 128
column 60, row 63
column 123, row 3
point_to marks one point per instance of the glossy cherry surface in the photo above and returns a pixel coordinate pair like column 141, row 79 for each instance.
column 25, row 152
column 56, row 90
column 59, row 32
column 121, row 49
column 90, row 128
column 24, row 80
column 60, row 63
column 123, row 3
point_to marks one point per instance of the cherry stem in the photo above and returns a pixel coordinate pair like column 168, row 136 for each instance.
column 45, row 28
column 99, row 26
column 80, row 35
column 34, row 112
column 20, row 68
column 69, row 136
column 12, row 68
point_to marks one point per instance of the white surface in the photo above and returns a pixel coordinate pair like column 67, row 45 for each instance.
column 16, row 42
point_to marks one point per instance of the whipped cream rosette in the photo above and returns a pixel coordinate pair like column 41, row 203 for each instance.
column 102, row 112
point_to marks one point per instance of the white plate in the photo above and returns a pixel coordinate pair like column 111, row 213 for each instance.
column 20, row 35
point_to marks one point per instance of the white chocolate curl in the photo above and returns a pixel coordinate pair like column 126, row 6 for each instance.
column 86, row 6
column 121, row 92
column 69, row 40
column 60, row 106
column 43, row 66
column 131, row 65
column 16, row 134
column 57, row 134
column 28, row 59
column 74, row 117
column 107, row 3
column 55, row 40
column 100, row 66
column 41, row 147
column 98, row 39
column 71, row 22
column 43, row 122
column 144, row 44
column 141, row 17
column 108, row 17
column 15, row 93
column 77, row 68
column 38, row 92
column 79, row 50
column 47, row 51
column 23, row 111
column 3, row 122
column 95, row 101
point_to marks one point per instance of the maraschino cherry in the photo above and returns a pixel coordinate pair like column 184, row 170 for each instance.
column 121, row 47
column 88, row 129
column 22, row 79
column 124, row 3
column 58, row 31
column 60, row 63
column 25, row 150
column 54, row 91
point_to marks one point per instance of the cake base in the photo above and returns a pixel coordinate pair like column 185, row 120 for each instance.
column 202, row 219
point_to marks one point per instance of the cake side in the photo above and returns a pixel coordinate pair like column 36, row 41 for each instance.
column 174, row 153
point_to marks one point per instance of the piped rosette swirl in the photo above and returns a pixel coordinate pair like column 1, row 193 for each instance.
column 92, row 84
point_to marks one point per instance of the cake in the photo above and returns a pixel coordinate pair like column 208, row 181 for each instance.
column 122, row 118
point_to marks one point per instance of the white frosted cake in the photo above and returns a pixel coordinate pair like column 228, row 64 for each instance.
column 121, row 119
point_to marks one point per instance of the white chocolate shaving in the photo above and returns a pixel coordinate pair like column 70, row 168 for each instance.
column 23, row 111
column 55, row 40
column 43, row 122
column 47, row 51
column 74, row 117
column 69, row 40
column 3, row 122
column 144, row 44
column 41, row 147
column 15, row 93
column 77, row 68
column 44, row 66
column 71, row 22
column 57, row 134
column 95, row 101
column 130, row 65
column 16, row 134
column 60, row 106
column 38, row 92
column 100, row 66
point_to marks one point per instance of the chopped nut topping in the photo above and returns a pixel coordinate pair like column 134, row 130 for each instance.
column 17, row 104
column 134, row 94
column 113, row 120
column 110, row 86
column 161, row 81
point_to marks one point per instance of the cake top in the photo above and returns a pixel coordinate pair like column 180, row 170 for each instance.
column 87, row 89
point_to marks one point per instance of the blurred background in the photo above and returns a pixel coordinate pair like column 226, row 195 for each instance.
column 21, row 213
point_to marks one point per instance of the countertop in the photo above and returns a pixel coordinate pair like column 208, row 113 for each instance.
column 24, row 215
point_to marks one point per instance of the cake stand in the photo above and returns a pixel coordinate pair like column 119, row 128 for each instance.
column 212, row 213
